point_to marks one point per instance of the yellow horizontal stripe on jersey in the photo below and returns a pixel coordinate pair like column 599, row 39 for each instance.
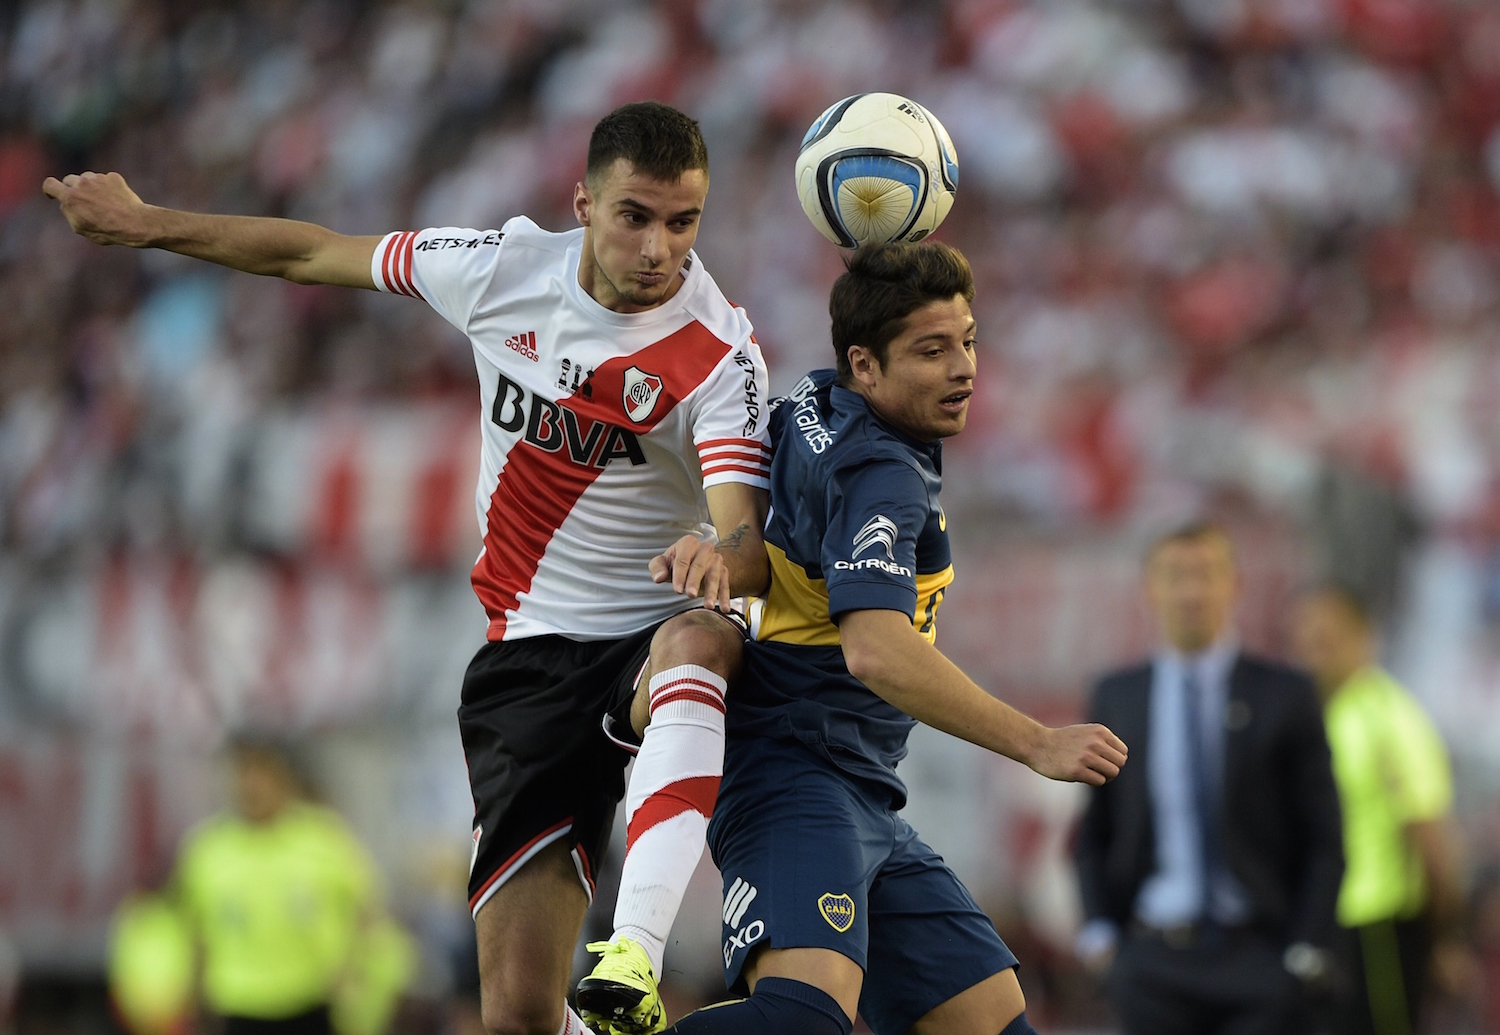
column 796, row 608
column 930, row 592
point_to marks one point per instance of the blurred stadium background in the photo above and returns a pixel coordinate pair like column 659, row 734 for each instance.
column 1239, row 257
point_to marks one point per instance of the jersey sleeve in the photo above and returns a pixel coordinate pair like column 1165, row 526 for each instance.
column 730, row 419
column 355, row 872
column 1424, row 776
column 876, row 511
column 186, row 886
column 447, row 267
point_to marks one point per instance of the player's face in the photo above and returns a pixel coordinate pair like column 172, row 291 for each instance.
column 638, row 232
column 1192, row 585
column 1331, row 642
column 263, row 787
column 924, row 385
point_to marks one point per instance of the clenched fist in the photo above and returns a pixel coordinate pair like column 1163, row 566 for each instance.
column 1086, row 753
column 100, row 206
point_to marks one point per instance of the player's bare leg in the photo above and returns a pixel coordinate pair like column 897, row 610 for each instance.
column 678, row 712
column 526, row 933
column 994, row 1005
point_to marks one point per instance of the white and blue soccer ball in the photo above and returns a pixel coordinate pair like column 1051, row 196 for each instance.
column 876, row 167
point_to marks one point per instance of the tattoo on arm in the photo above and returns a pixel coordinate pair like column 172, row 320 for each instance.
column 734, row 540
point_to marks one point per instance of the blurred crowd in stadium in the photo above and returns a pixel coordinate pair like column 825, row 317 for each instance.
column 1237, row 256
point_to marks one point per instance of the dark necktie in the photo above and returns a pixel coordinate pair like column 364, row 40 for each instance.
column 1201, row 759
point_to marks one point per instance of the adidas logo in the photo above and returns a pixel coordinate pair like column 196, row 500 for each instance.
column 737, row 901
column 524, row 343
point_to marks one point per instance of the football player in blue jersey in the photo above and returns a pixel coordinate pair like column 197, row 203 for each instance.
column 832, row 902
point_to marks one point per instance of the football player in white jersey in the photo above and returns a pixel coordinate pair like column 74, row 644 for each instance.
column 623, row 412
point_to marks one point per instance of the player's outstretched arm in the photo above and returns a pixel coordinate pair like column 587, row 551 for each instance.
column 103, row 208
column 885, row 653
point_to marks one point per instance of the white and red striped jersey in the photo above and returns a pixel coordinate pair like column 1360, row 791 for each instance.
column 601, row 429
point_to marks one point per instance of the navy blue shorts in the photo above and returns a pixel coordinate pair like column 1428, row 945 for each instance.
column 813, row 858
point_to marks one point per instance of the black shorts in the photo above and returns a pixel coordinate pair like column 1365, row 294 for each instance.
column 541, row 768
column 313, row 1022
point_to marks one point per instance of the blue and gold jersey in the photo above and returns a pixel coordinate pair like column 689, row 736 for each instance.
column 855, row 525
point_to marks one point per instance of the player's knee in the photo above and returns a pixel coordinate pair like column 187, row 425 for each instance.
column 521, row 1015
column 698, row 638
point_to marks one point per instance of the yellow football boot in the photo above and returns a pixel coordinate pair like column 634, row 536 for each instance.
column 620, row 996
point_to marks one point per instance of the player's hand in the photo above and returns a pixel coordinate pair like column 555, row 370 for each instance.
column 1087, row 753
column 695, row 568
column 99, row 206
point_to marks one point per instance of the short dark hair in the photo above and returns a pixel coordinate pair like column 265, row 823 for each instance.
column 263, row 748
column 660, row 141
column 1352, row 602
column 882, row 285
column 1195, row 531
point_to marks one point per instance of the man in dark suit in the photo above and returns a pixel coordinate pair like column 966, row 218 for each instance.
column 1210, row 867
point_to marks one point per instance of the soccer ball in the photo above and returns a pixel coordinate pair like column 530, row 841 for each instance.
column 876, row 167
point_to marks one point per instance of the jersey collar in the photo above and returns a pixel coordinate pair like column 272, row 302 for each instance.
column 669, row 311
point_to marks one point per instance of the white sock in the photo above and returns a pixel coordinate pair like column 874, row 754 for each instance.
column 573, row 1024
column 671, row 797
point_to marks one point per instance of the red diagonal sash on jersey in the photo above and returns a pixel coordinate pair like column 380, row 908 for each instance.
column 538, row 489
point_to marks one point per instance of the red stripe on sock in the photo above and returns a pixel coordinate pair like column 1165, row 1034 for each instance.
column 688, row 694
column 701, row 684
column 695, row 794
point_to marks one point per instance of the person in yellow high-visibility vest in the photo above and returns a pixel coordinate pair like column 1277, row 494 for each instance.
column 283, row 906
column 1401, row 900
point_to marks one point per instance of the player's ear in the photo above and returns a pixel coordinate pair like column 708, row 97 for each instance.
column 583, row 203
column 863, row 365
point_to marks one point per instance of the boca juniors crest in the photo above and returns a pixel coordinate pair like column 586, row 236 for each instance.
column 641, row 392
column 838, row 910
